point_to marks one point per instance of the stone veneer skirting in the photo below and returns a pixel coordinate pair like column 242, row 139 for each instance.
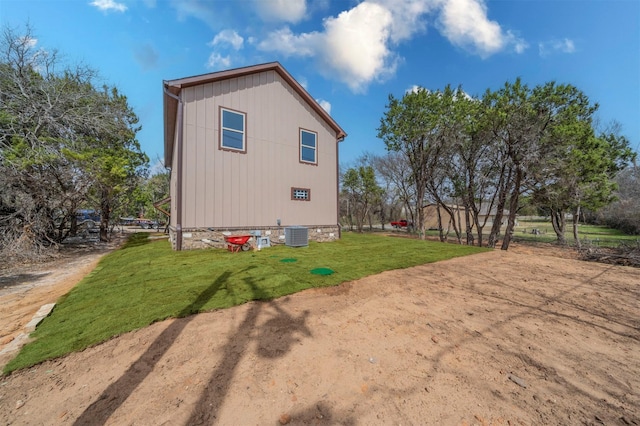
column 192, row 238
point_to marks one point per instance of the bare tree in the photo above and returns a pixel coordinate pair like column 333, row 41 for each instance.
column 396, row 177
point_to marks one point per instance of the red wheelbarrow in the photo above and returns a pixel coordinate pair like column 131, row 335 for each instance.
column 237, row 242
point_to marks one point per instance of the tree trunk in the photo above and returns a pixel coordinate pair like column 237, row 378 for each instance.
column 459, row 225
column 105, row 212
column 513, row 209
column 421, row 229
column 576, row 218
column 505, row 177
column 559, row 225
column 439, row 223
column 469, row 229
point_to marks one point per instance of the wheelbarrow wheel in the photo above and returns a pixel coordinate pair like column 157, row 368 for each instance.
column 246, row 247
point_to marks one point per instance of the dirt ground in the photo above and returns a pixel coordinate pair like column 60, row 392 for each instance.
column 527, row 336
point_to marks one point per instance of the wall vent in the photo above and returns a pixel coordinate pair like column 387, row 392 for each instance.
column 296, row 236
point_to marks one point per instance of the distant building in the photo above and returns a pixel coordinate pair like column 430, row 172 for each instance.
column 431, row 217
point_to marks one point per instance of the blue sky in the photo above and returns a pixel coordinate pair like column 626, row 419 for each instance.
column 350, row 55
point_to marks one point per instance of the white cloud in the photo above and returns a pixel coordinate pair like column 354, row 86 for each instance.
column 106, row 5
column 284, row 41
column 567, row 46
column 465, row 24
column 556, row 46
column 358, row 46
column 353, row 46
column 35, row 57
column 198, row 9
column 282, row 10
column 228, row 37
column 460, row 92
column 408, row 16
column 325, row 105
column 28, row 42
column 519, row 45
column 413, row 89
column 218, row 61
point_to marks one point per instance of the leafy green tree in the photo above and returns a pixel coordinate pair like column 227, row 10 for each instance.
column 154, row 189
column 410, row 126
column 61, row 140
column 516, row 126
column 40, row 111
column 537, row 130
column 624, row 212
column 360, row 187
column 488, row 153
column 111, row 159
column 584, row 178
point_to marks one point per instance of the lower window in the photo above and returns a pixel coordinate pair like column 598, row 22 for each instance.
column 301, row 194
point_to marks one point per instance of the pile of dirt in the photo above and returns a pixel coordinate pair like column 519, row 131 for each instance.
column 517, row 337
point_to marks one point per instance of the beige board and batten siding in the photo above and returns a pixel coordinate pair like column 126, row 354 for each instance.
column 174, row 182
column 231, row 189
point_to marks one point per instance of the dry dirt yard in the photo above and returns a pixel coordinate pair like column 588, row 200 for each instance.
column 527, row 336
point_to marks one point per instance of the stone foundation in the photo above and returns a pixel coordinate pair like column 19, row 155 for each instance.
column 199, row 238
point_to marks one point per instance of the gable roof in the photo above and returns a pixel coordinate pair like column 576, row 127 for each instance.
column 172, row 88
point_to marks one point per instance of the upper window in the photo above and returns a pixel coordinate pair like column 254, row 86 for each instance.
column 308, row 147
column 232, row 130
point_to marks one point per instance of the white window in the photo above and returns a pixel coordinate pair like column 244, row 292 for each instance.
column 232, row 130
column 301, row 194
column 308, row 146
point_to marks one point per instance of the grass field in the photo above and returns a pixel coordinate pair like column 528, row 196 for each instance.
column 146, row 281
column 588, row 234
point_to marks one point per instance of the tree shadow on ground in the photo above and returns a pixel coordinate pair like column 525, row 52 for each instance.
column 274, row 339
column 319, row 413
column 18, row 279
column 113, row 397
column 137, row 239
column 524, row 310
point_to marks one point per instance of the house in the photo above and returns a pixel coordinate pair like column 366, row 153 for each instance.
column 431, row 217
column 485, row 216
column 250, row 150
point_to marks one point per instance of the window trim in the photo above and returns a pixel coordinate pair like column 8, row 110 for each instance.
column 221, row 147
column 300, row 145
column 294, row 189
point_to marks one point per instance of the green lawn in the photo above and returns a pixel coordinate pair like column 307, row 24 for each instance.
column 591, row 234
column 145, row 281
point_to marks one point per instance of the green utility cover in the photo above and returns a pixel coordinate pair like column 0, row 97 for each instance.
column 322, row 271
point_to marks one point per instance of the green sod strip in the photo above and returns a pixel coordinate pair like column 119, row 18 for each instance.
column 146, row 281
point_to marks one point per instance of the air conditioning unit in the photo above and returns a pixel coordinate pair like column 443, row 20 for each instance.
column 296, row 236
